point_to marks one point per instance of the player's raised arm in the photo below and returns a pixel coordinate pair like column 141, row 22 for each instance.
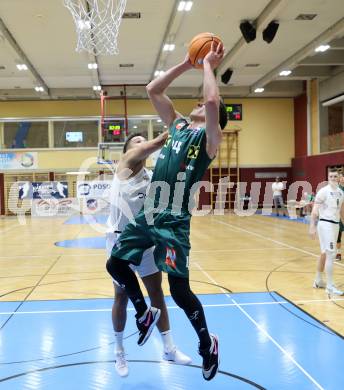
column 156, row 92
column 144, row 149
column 212, row 98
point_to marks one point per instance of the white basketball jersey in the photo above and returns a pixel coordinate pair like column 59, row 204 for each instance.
column 127, row 198
column 330, row 202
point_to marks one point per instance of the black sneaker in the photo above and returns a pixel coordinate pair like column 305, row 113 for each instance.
column 146, row 325
column 211, row 359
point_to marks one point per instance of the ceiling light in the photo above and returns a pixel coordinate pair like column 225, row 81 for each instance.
column 188, row 6
column 158, row 73
column 259, row 90
column 322, row 48
column 92, row 66
column 22, row 67
column 159, row 120
column 97, row 88
column 165, row 127
column 185, row 5
column 169, row 47
column 39, row 89
column 134, row 127
column 285, row 73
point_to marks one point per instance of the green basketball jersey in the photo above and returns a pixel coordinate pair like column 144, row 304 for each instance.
column 181, row 164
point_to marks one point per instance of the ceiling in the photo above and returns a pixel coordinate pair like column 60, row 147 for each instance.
column 42, row 34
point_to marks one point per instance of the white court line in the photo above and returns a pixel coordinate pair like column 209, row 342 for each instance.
column 261, row 329
column 173, row 307
column 272, row 240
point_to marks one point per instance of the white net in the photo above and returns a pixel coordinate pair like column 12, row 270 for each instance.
column 97, row 24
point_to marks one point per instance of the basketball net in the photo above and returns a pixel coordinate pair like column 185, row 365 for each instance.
column 97, row 24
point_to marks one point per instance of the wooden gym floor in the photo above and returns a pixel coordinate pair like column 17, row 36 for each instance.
column 241, row 254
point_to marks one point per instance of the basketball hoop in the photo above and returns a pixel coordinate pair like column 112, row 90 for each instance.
column 97, row 24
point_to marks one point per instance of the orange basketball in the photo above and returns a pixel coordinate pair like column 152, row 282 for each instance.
column 200, row 46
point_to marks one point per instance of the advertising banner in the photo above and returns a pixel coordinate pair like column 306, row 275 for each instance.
column 18, row 160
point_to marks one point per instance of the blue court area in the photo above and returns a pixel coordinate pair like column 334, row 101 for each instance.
column 265, row 342
column 86, row 219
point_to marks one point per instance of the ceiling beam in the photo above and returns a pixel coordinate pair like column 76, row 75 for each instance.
column 18, row 50
column 167, row 33
column 331, row 57
column 291, row 62
column 337, row 44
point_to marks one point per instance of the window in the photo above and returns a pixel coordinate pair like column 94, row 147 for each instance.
column 138, row 126
column 71, row 134
column 26, row 134
column 158, row 127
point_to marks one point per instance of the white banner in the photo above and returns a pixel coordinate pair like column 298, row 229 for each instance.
column 55, row 207
column 18, row 161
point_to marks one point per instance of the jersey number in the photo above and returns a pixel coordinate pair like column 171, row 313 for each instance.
column 193, row 151
column 176, row 145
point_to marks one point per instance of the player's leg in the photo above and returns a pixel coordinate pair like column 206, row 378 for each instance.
column 119, row 314
column 172, row 256
column 328, row 233
column 119, row 318
column 130, row 249
column 319, row 281
column 275, row 201
column 339, row 244
column 192, row 307
column 152, row 280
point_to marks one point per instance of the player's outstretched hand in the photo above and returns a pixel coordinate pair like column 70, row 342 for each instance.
column 215, row 55
column 161, row 138
column 187, row 61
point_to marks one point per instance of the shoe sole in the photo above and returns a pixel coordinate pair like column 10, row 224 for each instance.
column 150, row 329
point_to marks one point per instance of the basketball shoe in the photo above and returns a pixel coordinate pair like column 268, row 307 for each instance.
column 146, row 323
column 211, row 359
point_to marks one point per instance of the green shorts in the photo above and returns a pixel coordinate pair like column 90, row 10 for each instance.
column 169, row 234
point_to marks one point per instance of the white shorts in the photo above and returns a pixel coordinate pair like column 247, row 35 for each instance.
column 328, row 234
column 147, row 266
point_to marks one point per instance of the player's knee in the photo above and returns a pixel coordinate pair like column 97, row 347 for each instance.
column 121, row 296
column 114, row 267
column 179, row 288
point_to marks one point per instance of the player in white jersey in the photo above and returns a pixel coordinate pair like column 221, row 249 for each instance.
column 128, row 192
column 329, row 208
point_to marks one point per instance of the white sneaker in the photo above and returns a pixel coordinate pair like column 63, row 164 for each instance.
column 121, row 364
column 333, row 290
column 319, row 284
column 176, row 356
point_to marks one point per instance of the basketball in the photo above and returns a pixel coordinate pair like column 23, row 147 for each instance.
column 200, row 46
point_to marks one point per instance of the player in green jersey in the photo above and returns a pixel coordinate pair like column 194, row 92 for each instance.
column 165, row 219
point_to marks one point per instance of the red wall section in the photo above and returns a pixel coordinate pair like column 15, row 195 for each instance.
column 313, row 168
column 300, row 125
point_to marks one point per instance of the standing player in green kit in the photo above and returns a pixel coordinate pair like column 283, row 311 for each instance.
column 165, row 219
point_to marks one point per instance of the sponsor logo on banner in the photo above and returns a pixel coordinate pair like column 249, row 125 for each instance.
column 43, row 190
column 93, row 189
column 11, row 160
column 54, row 207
